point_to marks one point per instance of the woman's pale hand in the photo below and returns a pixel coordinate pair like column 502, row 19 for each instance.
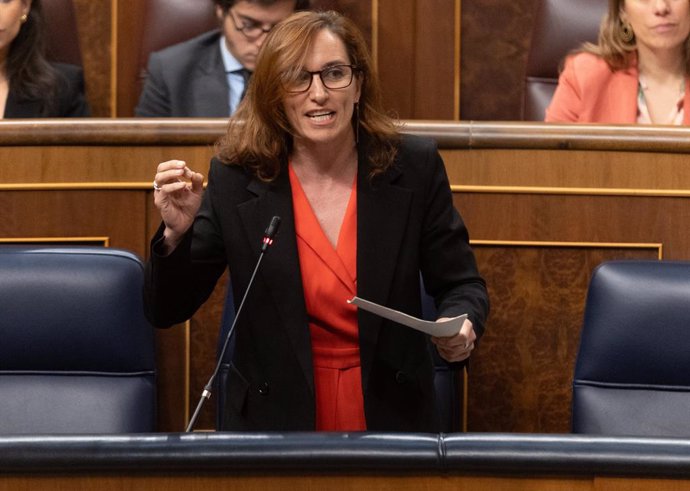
column 177, row 195
column 459, row 347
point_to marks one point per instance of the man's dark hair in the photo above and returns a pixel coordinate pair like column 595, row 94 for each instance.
column 227, row 4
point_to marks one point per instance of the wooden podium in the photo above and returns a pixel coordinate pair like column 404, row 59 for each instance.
column 544, row 205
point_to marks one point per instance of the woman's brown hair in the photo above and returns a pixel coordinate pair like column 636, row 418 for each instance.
column 259, row 135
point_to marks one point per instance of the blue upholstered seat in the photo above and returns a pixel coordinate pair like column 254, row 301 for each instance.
column 632, row 375
column 76, row 353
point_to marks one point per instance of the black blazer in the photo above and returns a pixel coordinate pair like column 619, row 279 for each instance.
column 406, row 223
column 186, row 80
column 70, row 99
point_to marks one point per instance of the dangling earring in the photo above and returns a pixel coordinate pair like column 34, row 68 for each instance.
column 626, row 32
column 23, row 18
column 356, row 122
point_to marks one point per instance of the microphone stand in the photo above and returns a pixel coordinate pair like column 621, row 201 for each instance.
column 266, row 242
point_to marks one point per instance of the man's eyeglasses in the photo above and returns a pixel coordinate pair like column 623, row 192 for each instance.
column 332, row 77
column 249, row 27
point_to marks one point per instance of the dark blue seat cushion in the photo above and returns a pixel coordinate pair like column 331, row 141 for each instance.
column 77, row 354
column 632, row 375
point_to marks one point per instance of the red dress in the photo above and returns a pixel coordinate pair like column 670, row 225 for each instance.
column 329, row 279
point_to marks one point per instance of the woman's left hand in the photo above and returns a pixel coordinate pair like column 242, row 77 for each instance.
column 459, row 347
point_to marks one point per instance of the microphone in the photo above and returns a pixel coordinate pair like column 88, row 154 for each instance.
column 266, row 242
column 270, row 232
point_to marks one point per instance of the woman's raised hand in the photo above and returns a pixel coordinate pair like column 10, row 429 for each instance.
column 177, row 195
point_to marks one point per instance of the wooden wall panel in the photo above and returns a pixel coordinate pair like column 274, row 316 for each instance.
column 206, row 481
column 95, row 39
column 495, row 39
column 360, row 11
column 416, row 54
column 416, row 44
column 172, row 352
column 528, row 354
column 204, row 331
column 394, row 55
column 63, row 214
column 538, row 292
column 435, row 52
column 130, row 27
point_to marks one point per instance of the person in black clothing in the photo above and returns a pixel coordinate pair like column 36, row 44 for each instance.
column 30, row 85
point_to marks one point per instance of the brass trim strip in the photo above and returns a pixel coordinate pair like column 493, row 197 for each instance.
column 457, row 43
column 187, row 371
column 76, row 186
column 606, row 245
column 105, row 241
column 456, row 188
column 667, row 193
column 465, row 397
column 546, row 243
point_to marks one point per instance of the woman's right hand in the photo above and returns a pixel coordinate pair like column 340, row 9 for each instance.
column 177, row 195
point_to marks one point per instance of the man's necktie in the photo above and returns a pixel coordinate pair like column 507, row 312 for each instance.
column 246, row 75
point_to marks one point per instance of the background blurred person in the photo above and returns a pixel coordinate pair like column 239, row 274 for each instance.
column 207, row 75
column 364, row 211
column 638, row 71
column 30, row 86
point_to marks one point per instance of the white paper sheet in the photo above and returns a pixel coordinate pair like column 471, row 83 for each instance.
column 444, row 328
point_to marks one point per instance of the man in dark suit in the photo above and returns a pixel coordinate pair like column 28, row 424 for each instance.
column 207, row 75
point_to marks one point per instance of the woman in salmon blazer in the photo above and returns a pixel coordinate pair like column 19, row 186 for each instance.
column 638, row 71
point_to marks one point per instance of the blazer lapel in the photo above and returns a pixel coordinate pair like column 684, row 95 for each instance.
column 382, row 211
column 211, row 97
column 280, row 271
column 686, row 102
column 382, row 216
column 621, row 96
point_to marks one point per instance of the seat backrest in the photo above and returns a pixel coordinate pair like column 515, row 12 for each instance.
column 632, row 375
column 560, row 26
column 446, row 377
column 76, row 353
column 168, row 22
column 62, row 35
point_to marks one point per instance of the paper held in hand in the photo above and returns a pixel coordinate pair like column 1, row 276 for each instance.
column 449, row 327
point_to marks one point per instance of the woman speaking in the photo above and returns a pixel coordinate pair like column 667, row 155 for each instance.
column 364, row 210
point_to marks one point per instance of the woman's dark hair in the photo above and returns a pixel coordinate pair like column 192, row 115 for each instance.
column 28, row 70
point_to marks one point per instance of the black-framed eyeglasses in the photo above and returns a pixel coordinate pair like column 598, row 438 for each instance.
column 332, row 77
column 249, row 27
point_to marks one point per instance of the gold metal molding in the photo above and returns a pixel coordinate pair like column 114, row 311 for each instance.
column 457, row 40
column 95, row 240
column 584, row 244
column 187, row 370
column 554, row 190
column 76, row 186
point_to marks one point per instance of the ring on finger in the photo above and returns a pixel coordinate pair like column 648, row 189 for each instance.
column 156, row 187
